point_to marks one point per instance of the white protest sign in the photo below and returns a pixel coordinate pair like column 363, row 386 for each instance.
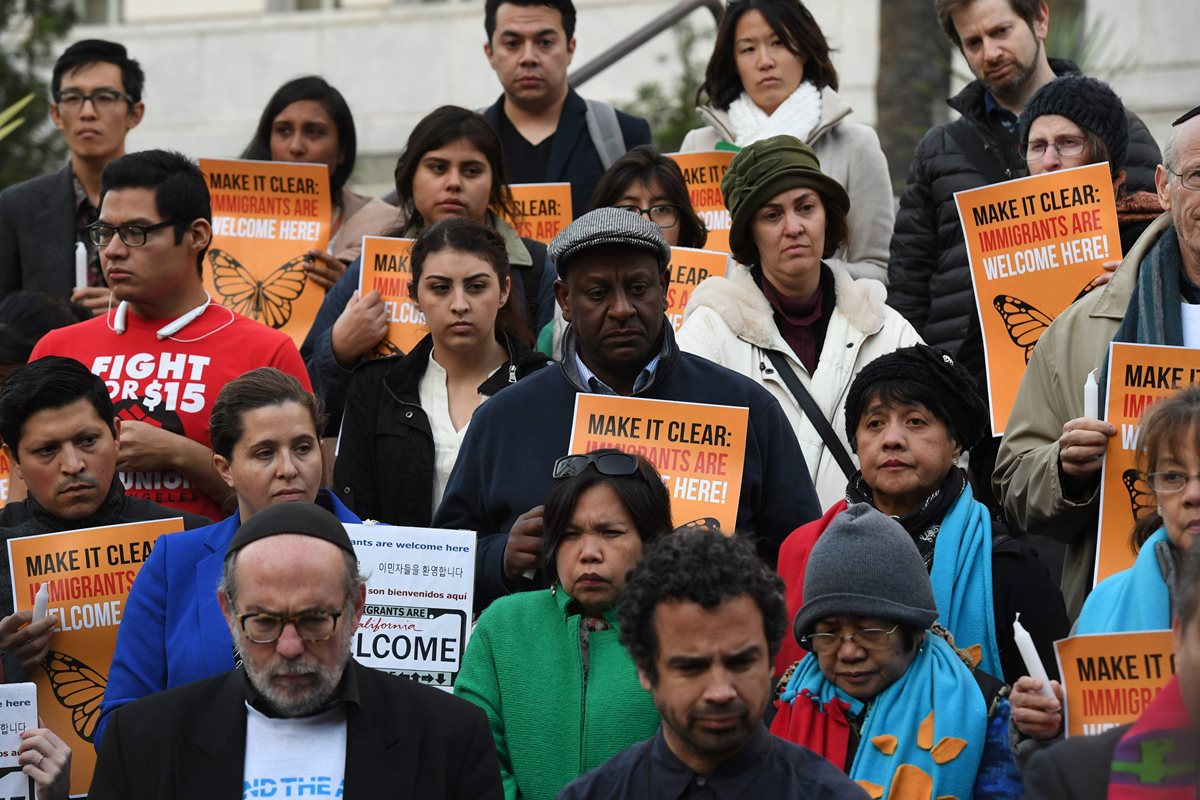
column 18, row 712
column 420, row 583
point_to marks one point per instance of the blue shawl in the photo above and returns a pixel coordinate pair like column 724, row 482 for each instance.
column 962, row 580
column 925, row 730
column 1135, row 599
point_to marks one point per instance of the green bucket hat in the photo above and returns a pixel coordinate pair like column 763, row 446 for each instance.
column 763, row 170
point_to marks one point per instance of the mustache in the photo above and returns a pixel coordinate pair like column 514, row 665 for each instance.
column 734, row 708
column 86, row 480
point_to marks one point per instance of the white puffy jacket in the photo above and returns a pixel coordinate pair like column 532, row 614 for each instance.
column 729, row 321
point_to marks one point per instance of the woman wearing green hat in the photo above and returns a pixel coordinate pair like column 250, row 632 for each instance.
column 801, row 326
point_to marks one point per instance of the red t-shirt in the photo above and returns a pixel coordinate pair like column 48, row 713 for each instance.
column 173, row 382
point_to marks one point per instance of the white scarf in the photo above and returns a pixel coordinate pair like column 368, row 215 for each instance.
column 797, row 116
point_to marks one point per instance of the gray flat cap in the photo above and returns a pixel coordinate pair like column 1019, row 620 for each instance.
column 608, row 226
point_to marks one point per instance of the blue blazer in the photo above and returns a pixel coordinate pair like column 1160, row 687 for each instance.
column 172, row 631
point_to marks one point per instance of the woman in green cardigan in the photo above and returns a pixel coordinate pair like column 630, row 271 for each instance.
column 560, row 692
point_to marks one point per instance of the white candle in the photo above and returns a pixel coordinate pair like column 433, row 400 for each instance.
column 80, row 266
column 40, row 601
column 1091, row 397
column 1029, row 654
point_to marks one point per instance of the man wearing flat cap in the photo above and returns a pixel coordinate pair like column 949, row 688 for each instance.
column 1048, row 468
column 612, row 288
column 298, row 718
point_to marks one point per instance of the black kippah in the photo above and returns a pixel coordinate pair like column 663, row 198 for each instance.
column 929, row 376
column 301, row 519
column 1186, row 116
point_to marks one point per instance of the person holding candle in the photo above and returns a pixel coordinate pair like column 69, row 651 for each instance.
column 910, row 415
column 266, row 430
column 1143, row 597
column 882, row 691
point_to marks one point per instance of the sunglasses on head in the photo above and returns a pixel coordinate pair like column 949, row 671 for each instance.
column 614, row 464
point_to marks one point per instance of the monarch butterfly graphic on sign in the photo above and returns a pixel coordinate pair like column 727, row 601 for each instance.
column 1025, row 323
column 78, row 688
column 1141, row 499
column 268, row 300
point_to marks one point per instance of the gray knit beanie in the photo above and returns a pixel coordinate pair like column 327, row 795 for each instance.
column 1090, row 104
column 866, row 565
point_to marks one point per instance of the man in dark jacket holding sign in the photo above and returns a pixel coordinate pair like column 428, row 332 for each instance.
column 929, row 276
column 612, row 287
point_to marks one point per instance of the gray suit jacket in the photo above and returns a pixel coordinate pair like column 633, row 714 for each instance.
column 37, row 235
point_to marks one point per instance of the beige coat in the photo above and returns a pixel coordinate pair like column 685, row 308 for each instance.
column 850, row 154
column 1027, row 479
column 729, row 321
column 363, row 216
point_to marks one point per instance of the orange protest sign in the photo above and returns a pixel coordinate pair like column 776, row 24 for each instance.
column 266, row 216
column 385, row 269
column 700, row 450
column 1139, row 375
column 1109, row 678
column 702, row 172
column 688, row 268
column 89, row 573
column 1034, row 245
column 543, row 209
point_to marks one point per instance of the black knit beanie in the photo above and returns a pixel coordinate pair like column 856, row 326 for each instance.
column 926, row 375
column 1090, row 104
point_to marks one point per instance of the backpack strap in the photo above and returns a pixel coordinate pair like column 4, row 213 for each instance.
column 964, row 134
column 605, row 130
column 809, row 406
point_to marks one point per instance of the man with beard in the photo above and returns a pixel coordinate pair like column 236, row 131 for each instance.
column 703, row 617
column 929, row 276
column 299, row 718
column 60, row 433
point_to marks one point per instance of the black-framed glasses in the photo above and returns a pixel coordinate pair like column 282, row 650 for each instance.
column 72, row 100
column 866, row 638
column 1169, row 482
column 1066, row 146
column 614, row 464
column 663, row 215
column 102, row 233
column 1191, row 180
column 261, row 627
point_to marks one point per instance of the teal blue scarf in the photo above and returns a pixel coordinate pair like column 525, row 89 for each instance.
column 962, row 580
column 1135, row 599
column 929, row 724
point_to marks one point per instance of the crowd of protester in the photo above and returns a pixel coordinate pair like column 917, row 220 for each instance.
column 851, row 637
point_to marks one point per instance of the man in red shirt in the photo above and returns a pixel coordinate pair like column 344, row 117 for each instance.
column 166, row 349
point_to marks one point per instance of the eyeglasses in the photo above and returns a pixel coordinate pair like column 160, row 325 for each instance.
column 664, row 216
column 613, row 464
column 1066, row 146
column 1190, row 181
column 311, row 626
column 102, row 99
column 102, row 233
column 1169, row 482
column 866, row 638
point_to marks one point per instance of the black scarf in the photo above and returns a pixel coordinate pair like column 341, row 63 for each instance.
column 924, row 521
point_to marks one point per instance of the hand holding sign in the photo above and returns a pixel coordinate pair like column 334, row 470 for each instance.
column 362, row 325
column 523, row 552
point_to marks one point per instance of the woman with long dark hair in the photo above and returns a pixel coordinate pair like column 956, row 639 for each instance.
column 406, row 416
column 308, row 120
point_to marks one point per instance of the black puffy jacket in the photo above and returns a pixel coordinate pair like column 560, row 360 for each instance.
column 929, row 277
column 385, row 462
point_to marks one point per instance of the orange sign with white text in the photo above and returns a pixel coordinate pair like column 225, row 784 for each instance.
column 5, row 478
column 1139, row 375
column 1109, row 678
column 688, row 268
column 543, row 209
column 385, row 269
column 700, row 450
column 267, row 215
column 1034, row 244
column 702, row 172
column 89, row 573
